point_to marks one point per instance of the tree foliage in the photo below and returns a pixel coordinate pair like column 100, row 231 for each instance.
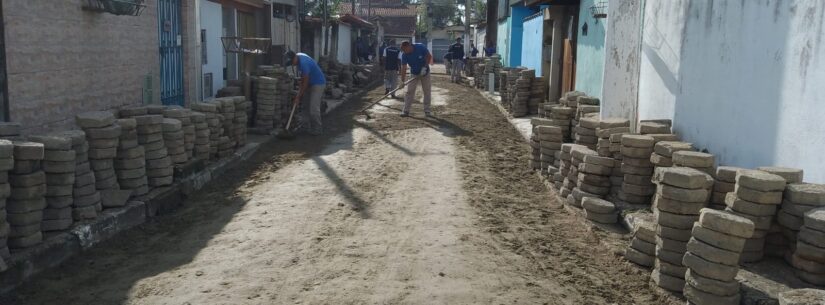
column 315, row 7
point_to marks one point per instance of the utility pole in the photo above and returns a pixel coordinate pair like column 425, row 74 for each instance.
column 353, row 7
column 467, row 27
column 325, row 26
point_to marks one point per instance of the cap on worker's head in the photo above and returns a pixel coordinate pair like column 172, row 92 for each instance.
column 288, row 56
column 458, row 39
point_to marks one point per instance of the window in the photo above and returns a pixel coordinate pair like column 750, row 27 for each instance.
column 281, row 10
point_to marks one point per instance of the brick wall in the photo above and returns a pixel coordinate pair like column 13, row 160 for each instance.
column 62, row 60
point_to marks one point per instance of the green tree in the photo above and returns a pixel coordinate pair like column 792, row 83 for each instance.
column 444, row 13
column 315, row 7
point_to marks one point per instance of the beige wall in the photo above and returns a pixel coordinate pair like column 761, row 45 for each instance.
column 62, row 60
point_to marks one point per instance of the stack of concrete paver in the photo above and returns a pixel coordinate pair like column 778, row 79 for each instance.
column 158, row 163
column 608, row 127
column 550, row 141
column 594, row 176
column 102, row 135
column 155, row 109
column 10, row 131
column 642, row 247
column 59, row 167
column 562, row 116
column 226, row 110
column 187, row 127
column 565, row 168
column 694, row 159
column 637, row 187
column 600, row 210
column 537, row 95
column 130, row 164
column 85, row 197
column 225, row 147
column 214, row 122
column 267, row 102
column 616, row 144
column 712, row 258
column 241, row 120
column 577, row 155
column 800, row 198
column 492, row 65
column 535, row 148
column 570, row 99
column 24, row 208
column 585, row 132
column 776, row 244
column 680, row 195
column 586, row 106
column 201, row 149
column 725, row 182
column 654, row 127
column 519, row 105
column 7, row 164
column 508, row 78
column 757, row 195
column 662, row 155
column 809, row 257
column 173, row 139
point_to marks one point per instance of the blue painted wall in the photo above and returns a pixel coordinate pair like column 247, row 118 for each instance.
column 531, row 46
column 503, row 41
column 590, row 51
column 517, row 15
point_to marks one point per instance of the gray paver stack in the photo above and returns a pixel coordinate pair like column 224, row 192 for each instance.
column 10, row 131
column 637, row 170
column 681, row 194
column 654, row 127
column 158, row 163
column 492, row 65
column 712, row 258
column 130, row 163
column 519, row 104
column 642, row 247
column 662, row 155
column 725, row 182
column 807, row 296
column 59, row 163
column 585, row 132
column 586, row 106
column 776, row 244
column 535, row 147
column 226, row 109
column 26, row 202
column 561, row 116
column 201, row 149
column 241, row 120
column 214, row 122
column 187, row 126
column 267, row 103
column 694, row 159
column 85, row 197
column 757, row 196
column 577, row 193
column 570, row 99
column 565, row 168
column 800, row 199
column 6, row 165
column 173, row 139
column 599, row 210
column 809, row 256
column 102, row 135
column 608, row 127
column 537, row 95
column 594, row 176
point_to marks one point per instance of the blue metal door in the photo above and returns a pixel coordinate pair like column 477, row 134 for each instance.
column 171, row 52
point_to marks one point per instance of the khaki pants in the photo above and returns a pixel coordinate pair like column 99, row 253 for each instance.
column 456, row 68
column 426, row 86
column 312, row 108
column 390, row 79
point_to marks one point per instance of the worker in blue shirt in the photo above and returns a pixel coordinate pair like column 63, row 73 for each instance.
column 418, row 58
column 310, row 90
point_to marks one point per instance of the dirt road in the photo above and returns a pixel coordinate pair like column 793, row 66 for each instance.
column 386, row 211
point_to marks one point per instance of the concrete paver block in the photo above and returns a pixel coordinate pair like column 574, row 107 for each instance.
column 718, row 239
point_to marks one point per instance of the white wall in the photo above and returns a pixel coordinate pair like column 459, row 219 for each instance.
column 743, row 79
column 621, row 66
column 344, row 44
column 211, row 21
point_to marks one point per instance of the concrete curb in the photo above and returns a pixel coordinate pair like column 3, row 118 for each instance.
column 59, row 247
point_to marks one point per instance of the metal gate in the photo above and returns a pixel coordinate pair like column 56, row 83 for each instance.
column 440, row 48
column 171, row 52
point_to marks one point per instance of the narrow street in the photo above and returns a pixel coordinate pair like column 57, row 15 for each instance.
column 383, row 211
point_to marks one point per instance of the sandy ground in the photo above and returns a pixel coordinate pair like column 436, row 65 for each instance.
column 385, row 211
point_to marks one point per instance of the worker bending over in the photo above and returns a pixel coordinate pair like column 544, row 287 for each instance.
column 418, row 58
column 310, row 89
